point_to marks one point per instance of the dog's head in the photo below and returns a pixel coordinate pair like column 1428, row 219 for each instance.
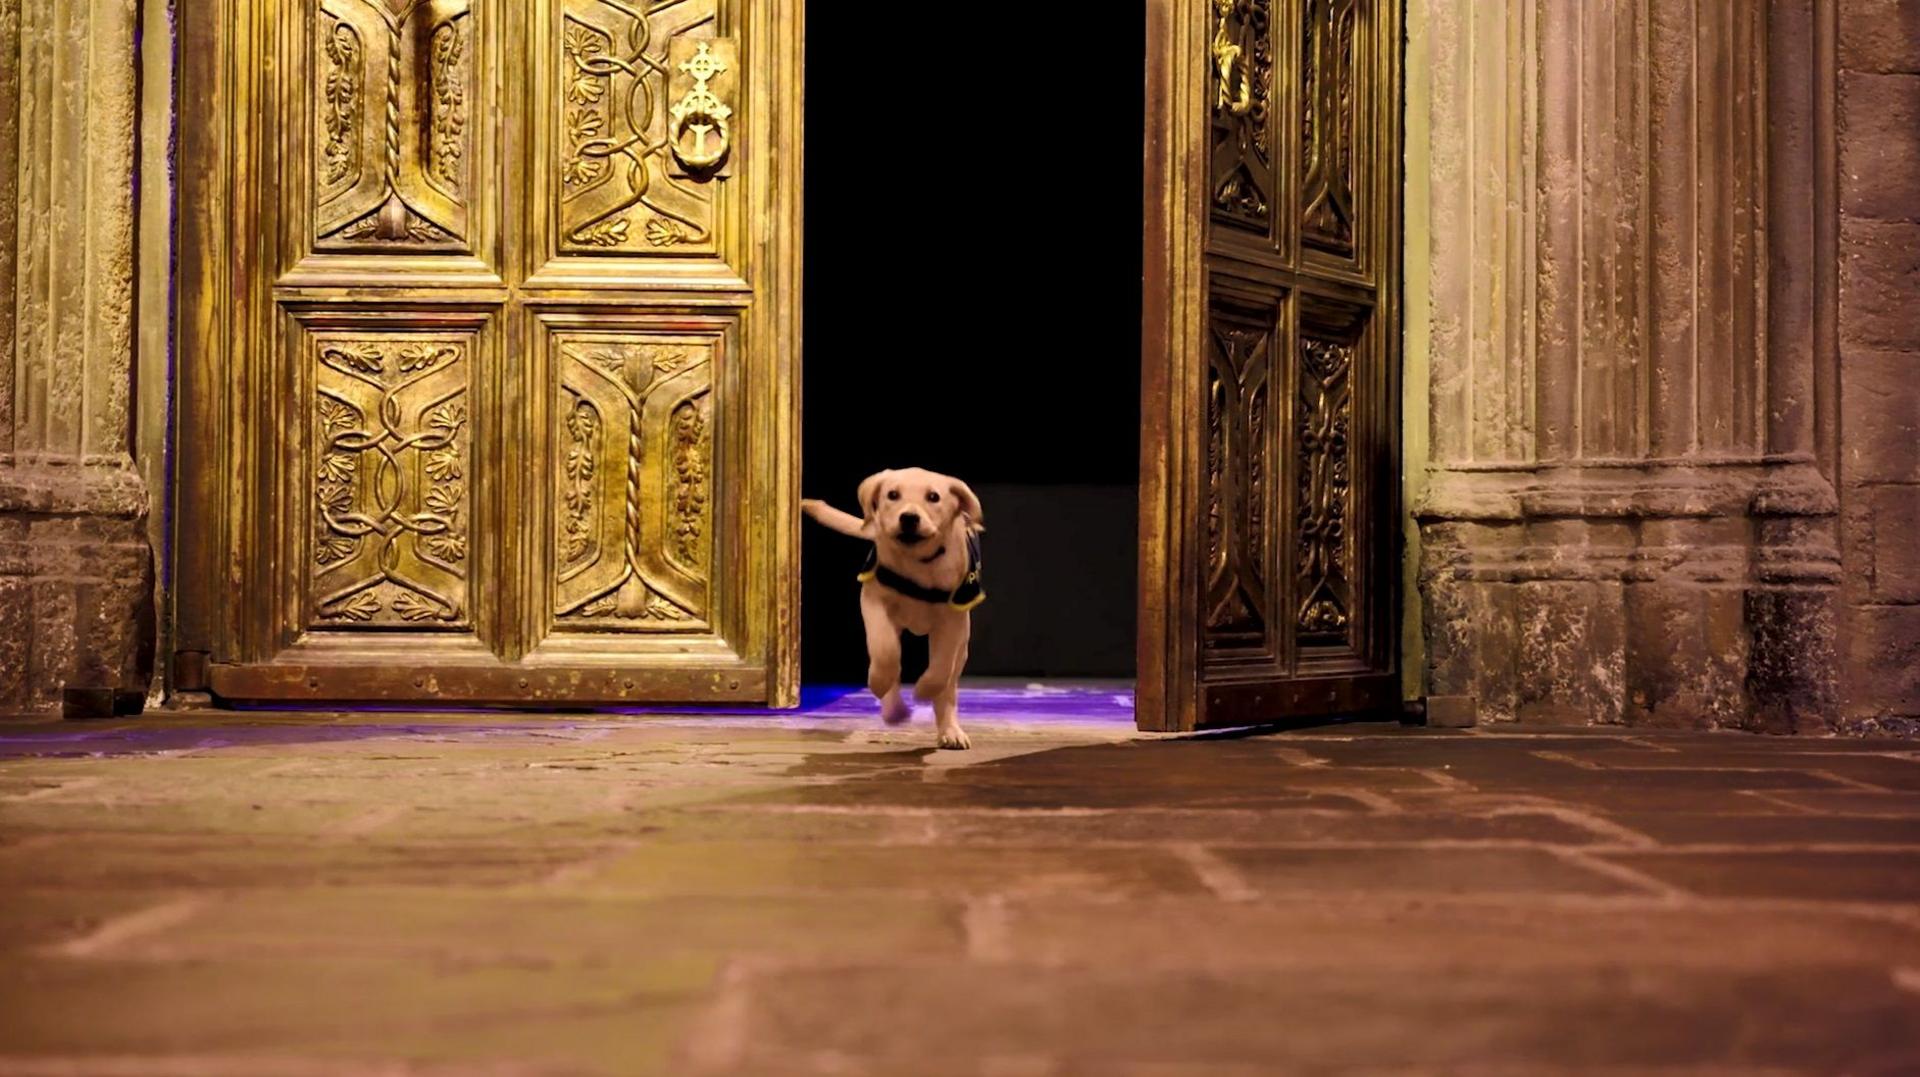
column 911, row 505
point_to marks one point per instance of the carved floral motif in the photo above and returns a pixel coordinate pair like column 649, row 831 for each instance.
column 449, row 105
column 340, row 98
column 577, row 470
column 1324, row 558
column 689, row 480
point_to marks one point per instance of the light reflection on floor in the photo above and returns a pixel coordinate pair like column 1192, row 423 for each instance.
column 998, row 700
column 1107, row 705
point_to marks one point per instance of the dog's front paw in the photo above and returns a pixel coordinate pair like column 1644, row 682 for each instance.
column 955, row 737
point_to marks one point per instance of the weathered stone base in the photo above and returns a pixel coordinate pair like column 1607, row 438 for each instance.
column 1680, row 598
column 1882, row 666
column 76, row 583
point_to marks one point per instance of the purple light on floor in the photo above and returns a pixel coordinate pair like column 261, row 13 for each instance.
column 999, row 702
column 1032, row 704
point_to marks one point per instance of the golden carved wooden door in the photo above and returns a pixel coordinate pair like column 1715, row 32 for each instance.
column 1270, row 459
column 489, row 350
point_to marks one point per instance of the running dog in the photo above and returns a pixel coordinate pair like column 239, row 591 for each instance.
column 923, row 576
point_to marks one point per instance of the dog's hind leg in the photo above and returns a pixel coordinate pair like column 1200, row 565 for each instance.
column 883, row 659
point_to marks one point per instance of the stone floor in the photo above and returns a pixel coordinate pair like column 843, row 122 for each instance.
column 214, row 894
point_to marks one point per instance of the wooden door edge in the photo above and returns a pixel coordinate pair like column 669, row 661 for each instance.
column 1172, row 269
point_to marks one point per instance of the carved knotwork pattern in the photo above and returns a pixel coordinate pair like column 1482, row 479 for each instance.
column 391, row 452
column 394, row 139
column 1242, row 159
column 1328, row 67
column 633, row 536
column 1321, row 528
column 1238, row 463
column 618, row 189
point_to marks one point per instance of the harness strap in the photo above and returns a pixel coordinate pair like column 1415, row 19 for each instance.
column 971, row 592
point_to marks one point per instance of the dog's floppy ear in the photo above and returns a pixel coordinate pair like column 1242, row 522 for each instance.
column 969, row 505
column 870, row 493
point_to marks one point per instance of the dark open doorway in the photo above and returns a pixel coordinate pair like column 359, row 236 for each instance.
column 972, row 302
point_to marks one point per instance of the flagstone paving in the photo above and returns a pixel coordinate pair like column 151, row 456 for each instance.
column 206, row 893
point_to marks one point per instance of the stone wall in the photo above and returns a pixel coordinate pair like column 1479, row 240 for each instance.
column 76, row 595
column 1879, row 330
column 1628, row 513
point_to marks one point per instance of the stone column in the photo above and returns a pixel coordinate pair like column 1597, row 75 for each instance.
column 75, row 563
column 1625, row 518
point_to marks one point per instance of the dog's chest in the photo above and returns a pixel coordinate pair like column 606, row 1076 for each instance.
column 911, row 614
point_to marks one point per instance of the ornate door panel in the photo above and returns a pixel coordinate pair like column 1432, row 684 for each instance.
column 490, row 313
column 1270, row 461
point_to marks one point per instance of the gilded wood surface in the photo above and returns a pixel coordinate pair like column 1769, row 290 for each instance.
column 1239, row 466
column 634, row 534
column 1287, row 335
column 391, row 104
column 1324, row 564
column 1243, row 159
column 620, row 187
column 447, row 446
column 391, row 453
column 1330, row 70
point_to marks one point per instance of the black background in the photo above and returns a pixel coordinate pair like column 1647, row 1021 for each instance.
column 972, row 298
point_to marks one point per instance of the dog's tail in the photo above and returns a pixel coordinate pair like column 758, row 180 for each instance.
column 844, row 522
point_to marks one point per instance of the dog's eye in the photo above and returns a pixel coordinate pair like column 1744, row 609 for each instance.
column 893, row 495
column 933, row 497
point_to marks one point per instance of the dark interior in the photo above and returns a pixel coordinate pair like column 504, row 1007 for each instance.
column 972, row 305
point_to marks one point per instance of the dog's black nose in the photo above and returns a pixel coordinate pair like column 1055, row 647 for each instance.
column 909, row 521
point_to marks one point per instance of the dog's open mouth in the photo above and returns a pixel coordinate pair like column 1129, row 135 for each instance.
column 911, row 538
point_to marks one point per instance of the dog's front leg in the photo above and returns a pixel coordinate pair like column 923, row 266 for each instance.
column 883, row 658
column 946, row 654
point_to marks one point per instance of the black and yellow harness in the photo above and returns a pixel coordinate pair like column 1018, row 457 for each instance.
column 971, row 592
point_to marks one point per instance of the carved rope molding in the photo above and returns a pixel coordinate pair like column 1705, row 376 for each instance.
column 66, row 256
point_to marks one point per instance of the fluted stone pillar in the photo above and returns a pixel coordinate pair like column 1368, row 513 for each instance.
column 75, row 563
column 1628, row 516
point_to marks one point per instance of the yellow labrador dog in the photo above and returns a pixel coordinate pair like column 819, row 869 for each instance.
column 923, row 577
